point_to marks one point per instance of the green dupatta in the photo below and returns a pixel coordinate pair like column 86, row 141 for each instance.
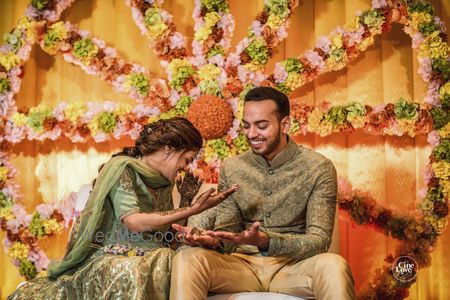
column 94, row 211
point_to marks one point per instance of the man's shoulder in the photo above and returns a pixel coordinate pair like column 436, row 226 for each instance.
column 311, row 159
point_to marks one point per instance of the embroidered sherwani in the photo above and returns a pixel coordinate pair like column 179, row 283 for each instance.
column 294, row 199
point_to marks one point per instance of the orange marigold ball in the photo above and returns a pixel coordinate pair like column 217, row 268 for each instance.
column 211, row 115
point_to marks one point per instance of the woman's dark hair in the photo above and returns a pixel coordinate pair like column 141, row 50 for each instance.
column 267, row 93
column 177, row 133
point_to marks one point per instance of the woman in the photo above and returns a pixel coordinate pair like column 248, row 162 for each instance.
column 116, row 249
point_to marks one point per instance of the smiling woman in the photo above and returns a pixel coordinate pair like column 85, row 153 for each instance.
column 131, row 193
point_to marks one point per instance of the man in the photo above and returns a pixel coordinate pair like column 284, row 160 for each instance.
column 273, row 232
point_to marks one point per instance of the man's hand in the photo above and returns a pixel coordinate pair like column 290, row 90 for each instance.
column 188, row 186
column 251, row 236
column 195, row 237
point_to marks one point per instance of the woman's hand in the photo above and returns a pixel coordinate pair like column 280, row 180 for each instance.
column 207, row 200
column 188, row 186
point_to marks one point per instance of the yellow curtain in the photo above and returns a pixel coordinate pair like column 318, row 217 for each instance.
column 390, row 168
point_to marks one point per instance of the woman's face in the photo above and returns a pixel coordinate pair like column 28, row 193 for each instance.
column 177, row 161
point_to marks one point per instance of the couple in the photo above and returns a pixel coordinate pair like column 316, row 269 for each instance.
column 270, row 233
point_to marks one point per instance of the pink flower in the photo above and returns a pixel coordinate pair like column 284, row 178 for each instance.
column 195, row 92
column 100, row 137
column 135, row 131
column 143, row 110
column 59, row 111
column 280, row 73
column 234, row 102
column 355, row 37
column 422, row 194
column 425, row 69
column 314, row 59
column 324, row 44
column 233, row 59
column 441, row 24
column 199, row 59
column 432, row 96
column 242, row 73
column 177, row 40
column 39, row 259
column 21, row 215
column 196, row 14
column 379, row 3
column 217, row 60
column 282, row 33
column 433, row 138
column 13, row 226
column 7, row 243
column 428, row 174
column 174, row 97
column 417, row 39
column 256, row 28
column 234, row 130
column 45, row 210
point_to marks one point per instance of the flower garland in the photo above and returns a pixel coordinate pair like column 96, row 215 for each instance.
column 95, row 58
column 332, row 52
column 266, row 32
column 214, row 27
column 421, row 234
column 101, row 121
column 402, row 117
column 418, row 233
column 13, row 55
column 157, row 25
column 23, row 231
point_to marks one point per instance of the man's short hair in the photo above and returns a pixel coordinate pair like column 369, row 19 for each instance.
column 267, row 93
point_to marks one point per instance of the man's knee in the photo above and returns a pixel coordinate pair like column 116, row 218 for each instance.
column 190, row 257
column 332, row 263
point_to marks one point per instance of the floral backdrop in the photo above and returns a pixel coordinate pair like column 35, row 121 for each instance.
column 206, row 83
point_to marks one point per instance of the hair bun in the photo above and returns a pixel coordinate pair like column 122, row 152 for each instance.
column 131, row 151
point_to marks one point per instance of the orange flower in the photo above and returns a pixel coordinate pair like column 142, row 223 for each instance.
column 211, row 115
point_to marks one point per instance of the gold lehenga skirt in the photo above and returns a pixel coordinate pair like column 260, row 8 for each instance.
column 107, row 276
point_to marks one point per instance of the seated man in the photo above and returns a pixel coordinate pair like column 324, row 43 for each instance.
column 271, row 235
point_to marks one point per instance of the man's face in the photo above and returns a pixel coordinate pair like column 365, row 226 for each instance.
column 265, row 132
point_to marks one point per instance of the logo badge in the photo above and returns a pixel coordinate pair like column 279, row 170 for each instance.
column 405, row 269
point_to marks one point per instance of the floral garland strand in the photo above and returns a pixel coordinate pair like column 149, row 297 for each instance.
column 157, row 25
column 79, row 121
column 13, row 56
column 395, row 119
column 49, row 10
column 335, row 51
column 23, row 231
column 19, row 243
column 16, row 51
column 95, row 58
column 418, row 235
column 266, row 32
column 428, row 37
column 214, row 27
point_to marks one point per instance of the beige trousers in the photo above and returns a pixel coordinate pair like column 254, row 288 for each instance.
column 197, row 271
